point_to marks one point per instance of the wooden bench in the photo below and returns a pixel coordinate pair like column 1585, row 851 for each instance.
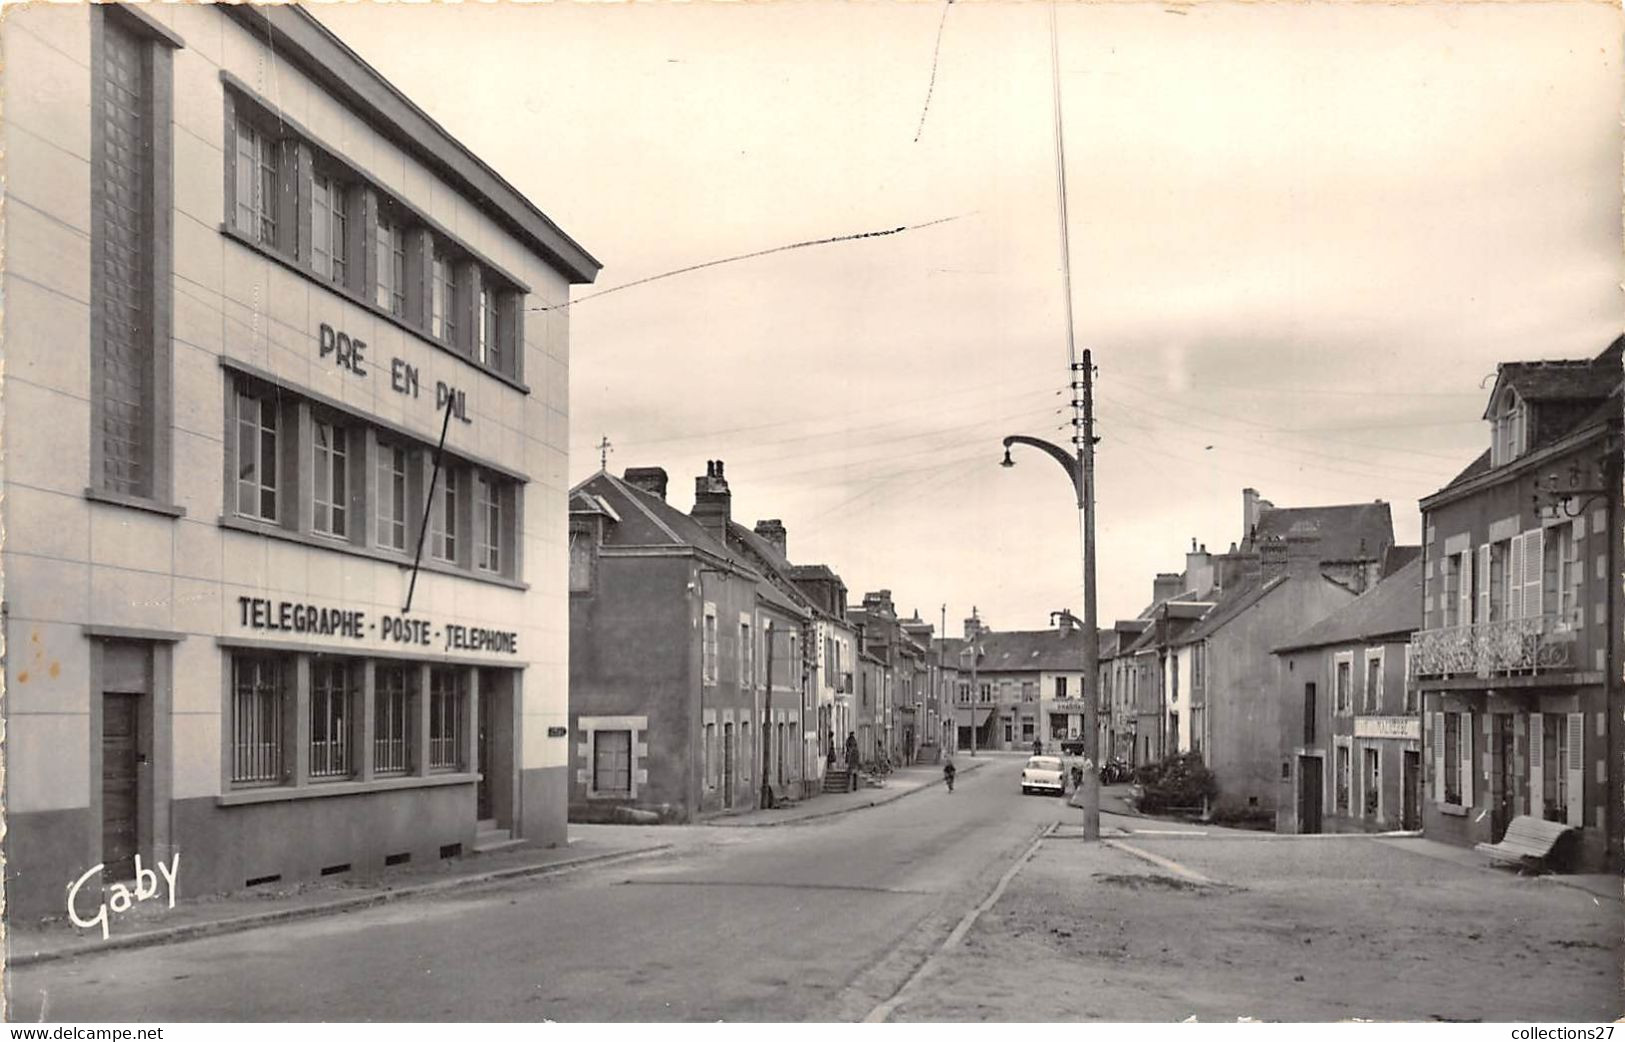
column 1528, row 841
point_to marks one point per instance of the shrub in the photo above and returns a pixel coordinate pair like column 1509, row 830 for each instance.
column 1181, row 781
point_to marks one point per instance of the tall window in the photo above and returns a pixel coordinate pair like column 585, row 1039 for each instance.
column 446, row 696
column 328, row 229
column 1373, row 683
column 708, row 646
column 747, row 657
column 1028, row 691
column 390, row 500
column 485, row 338
column 442, row 299
column 1309, row 711
column 257, row 719
column 1509, row 429
column 1342, row 779
column 331, row 692
column 964, row 692
column 258, row 429
column 612, row 761
column 393, row 687
column 1343, row 682
column 391, row 294
column 1060, row 687
column 130, row 259
column 443, row 518
column 985, row 694
column 488, row 533
column 1560, row 583
column 258, row 183
column 330, row 487
column 1452, row 758
column 1371, row 778
column 1451, row 602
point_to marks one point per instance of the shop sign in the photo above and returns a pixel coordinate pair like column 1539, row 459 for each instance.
column 1067, row 705
column 1399, row 728
column 323, row 620
column 350, row 354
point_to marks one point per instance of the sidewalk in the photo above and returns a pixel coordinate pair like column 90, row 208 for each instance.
column 1597, row 884
column 901, row 782
column 192, row 917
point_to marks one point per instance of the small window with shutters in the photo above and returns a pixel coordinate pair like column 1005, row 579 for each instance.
column 611, row 762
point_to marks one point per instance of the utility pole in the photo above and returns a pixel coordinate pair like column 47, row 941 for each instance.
column 1091, row 635
column 767, row 726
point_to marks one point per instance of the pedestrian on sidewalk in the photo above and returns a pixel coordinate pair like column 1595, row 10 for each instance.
column 831, row 747
column 948, row 772
column 851, row 750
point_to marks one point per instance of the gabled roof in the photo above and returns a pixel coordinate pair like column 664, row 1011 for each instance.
column 1481, row 465
column 1566, row 380
column 1398, row 557
column 1392, row 608
column 1024, row 651
column 1350, row 532
column 1231, row 605
column 647, row 520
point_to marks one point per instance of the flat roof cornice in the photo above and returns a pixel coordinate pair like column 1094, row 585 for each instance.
column 301, row 38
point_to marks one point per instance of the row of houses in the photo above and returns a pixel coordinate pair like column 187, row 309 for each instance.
column 1335, row 681
column 709, row 673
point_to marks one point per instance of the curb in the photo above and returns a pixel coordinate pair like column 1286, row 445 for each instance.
column 721, row 823
column 241, row 923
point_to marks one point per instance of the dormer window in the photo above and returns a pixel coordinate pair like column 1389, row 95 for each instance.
column 1509, row 426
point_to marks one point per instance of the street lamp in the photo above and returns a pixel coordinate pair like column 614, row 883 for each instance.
column 1081, row 470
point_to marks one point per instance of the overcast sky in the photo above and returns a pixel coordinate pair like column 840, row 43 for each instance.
column 1302, row 237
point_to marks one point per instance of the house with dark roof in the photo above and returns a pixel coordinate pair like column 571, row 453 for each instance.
column 1028, row 684
column 688, row 662
column 1350, row 729
column 1517, row 658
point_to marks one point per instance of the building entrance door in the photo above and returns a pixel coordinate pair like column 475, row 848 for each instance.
column 1506, row 788
column 483, row 805
column 121, row 801
column 727, row 765
column 1410, row 791
column 1311, row 799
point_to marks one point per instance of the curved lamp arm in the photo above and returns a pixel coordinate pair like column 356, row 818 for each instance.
column 1060, row 455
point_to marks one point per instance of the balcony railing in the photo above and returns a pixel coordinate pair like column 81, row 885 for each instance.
column 1490, row 648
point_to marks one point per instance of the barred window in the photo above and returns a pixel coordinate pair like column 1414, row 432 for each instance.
column 258, row 427
column 488, row 510
column 443, row 518
column 330, row 493
column 258, row 182
column 446, row 695
column 258, row 696
column 612, row 761
column 332, row 690
column 329, row 229
column 391, row 295
column 393, row 687
column 390, row 500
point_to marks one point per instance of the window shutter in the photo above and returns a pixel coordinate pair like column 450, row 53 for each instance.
column 1438, row 757
column 1576, row 769
column 1534, row 572
column 1464, row 611
column 1465, row 758
column 1514, row 578
column 1537, row 765
column 1483, row 584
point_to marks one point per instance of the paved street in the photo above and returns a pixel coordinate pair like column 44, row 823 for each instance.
column 819, row 921
column 826, row 920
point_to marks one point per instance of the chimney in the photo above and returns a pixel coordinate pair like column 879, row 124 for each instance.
column 712, row 501
column 773, row 531
column 650, row 479
column 1249, row 514
column 1198, row 570
column 879, row 604
column 1302, row 555
column 1065, row 621
column 973, row 625
column 1166, row 585
column 1276, row 555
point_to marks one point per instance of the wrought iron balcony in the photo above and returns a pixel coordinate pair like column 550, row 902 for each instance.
column 1492, row 648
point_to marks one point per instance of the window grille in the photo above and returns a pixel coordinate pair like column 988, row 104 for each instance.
column 331, row 692
column 446, row 694
column 257, row 719
column 392, row 701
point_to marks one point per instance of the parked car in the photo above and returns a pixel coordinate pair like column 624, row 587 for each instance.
column 1043, row 774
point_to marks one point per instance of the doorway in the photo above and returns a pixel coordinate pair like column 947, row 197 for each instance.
column 482, row 793
column 1505, row 791
column 1311, row 798
column 728, row 765
column 495, row 795
column 1410, row 791
column 121, row 784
